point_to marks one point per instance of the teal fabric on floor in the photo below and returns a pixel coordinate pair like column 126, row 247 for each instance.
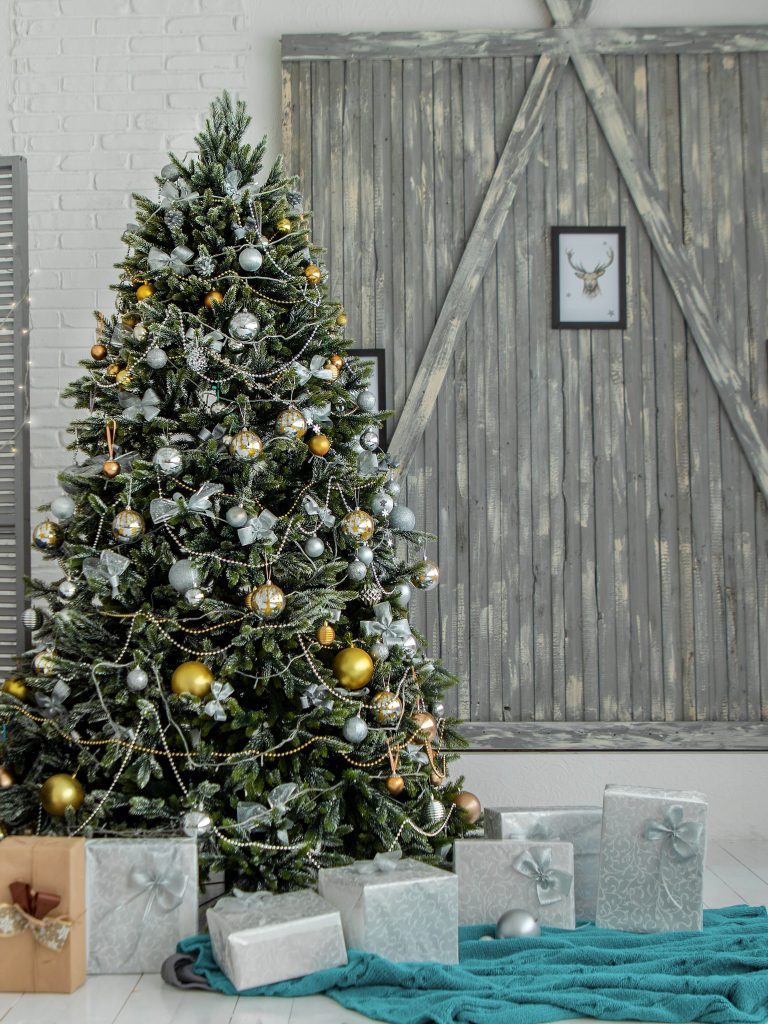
column 719, row 975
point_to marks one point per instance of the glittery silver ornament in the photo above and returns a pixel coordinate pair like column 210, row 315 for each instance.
column 204, row 265
column 156, row 358
column 355, row 729
column 137, row 680
column 196, row 823
column 314, row 547
column 170, row 172
column 31, row 618
column 194, row 596
column 173, row 219
column 63, row 507
column 382, row 504
column 236, row 516
column 364, row 554
column 402, row 518
column 67, row 589
column 197, row 359
column 401, row 595
column 140, row 332
column 438, row 709
column 436, row 812
column 183, row 575
column 356, row 571
column 366, row 400
column 168, row 460
column 392, row 487
column 378, row 651
column 369, row 439
column 517, row 924
column 244, row 326
column 250, row 260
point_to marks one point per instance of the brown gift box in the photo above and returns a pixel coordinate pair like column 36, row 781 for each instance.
column 48, row 864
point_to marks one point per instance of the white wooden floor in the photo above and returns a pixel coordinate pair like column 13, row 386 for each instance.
column 737, row 872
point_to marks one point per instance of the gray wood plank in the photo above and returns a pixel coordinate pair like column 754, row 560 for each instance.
column 352, row 240
column 289, row 79
column 367, row 295
column 319, row 133
column 334, row 238
column 616, row 735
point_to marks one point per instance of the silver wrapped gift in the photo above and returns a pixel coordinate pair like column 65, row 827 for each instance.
column 141, row 900
column 577, row 825
column 260, row 938
column 514, row 874
column 652, row 860
column 400, row 909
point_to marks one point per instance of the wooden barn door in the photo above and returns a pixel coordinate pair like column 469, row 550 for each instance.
column 603, row 541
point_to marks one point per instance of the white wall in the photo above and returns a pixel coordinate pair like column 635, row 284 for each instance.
column 98, row 90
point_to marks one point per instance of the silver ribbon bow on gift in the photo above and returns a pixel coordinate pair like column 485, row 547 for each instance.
column 215, row 707
column 387, row 629
column 681, row 838
column 166, row 888
column 148, row 406
column 52, row 705
column 316, row 369
column 311, row 507
column 259, row 528
column 552, row 884
column 316, row 695
column 367, row 464
column 382, row 863
column 110, row 566
column 176, row 192
column 175, row 261
column 164, row 509
column 252, row 815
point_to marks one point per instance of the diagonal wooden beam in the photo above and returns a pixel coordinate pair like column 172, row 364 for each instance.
column 475, row 258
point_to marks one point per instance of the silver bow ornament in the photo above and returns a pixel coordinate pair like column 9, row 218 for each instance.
column 164, row 509
column 217, row 434
column 389, row 630
column 175, row 261
column 176, row 192
column 313, row 413
column 146, row 407
column 552, row 885
column 311, row 507
column 252, row 815
column 213, row 339
column 316, row 369
column 233, row 186
column 316, row 695
column 164, row 888
column 52, row 705
column 382, row 863
column 110, row 566
column 367, row 464
column 215, row 707
column 258, row 528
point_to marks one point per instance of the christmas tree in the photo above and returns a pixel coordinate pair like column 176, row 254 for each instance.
column 229, row 650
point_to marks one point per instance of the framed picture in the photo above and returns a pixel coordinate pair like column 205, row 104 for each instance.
column 589, row 285
column 378, row 382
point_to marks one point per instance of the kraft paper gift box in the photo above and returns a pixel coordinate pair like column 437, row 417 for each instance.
column 142, row 899
column 652, row 860
column 42, row 921
column 514, row 874
column 400, row 909
column 260, row 938
column 577, row 825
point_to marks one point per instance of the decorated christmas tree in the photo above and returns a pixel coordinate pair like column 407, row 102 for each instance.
column 228, row 652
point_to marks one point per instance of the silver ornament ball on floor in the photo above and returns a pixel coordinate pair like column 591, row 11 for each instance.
column 250, row 260
column 244, row 326
column 67, row 589
column 366, row 400
column 355, row 729
column 364, row 554
column 183, row 575
column 369, row 439
column 194, row 596
column 402, row 518
column 517, row 924
column 63, row 507
column 168, row 460
column 382, row 504
column 314, row 547
column 401, row 595
column 137, row 680
column 356, row 571
column 236, row 516
column 156, row 358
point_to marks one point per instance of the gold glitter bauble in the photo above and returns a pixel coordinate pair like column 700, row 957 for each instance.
column 469, row 806
column 43, row 664
column 128, row 525
column 111, row 468
column 98, row 351
column 426, row 725
column 246, row 445
column 192, row 677
column 123, row 377
column 357, row 525
column 16, row 687
column 353, row 667
column 325, row 634
column 319, row 444
column 283, row 225
column 59, row 793
column 267, row 601
column 145, row 291
column 212, row 298
column 336, row 361
column 387, row 708
column 47, row 536
column 290, row 423
column 341, row 319
column 313, row 273
column 395, row 784
column 113, row 369
column 333, row 370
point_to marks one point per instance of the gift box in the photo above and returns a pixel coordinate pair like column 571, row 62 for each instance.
column 652, row 860
column 142, row 899
column 398, row 908
column 259, row 938
column 579, row 826
column 514, row 874
column 42, row 914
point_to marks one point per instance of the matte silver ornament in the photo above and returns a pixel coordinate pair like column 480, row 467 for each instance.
column 356, row 571
column 436, row 812
column 401, row 595
column 183, row 575
column 517, row 924
column 170, row 172
column 355, row 729
column 168, row 460
column 366, row 400
column 31, row 618
column 392, row 487
column 194, row 596
column 156, row 358
column 364, row 554
column 137, row 680
column 196, row 823
column 63, row 507
column 378, row 651
column 140, row 332
column 244, row 326
column 250, row 260
column 314, row 547
column 402, row 518
column 236, row 516
column 382, row 504
column 369, row 439
column 67, row 589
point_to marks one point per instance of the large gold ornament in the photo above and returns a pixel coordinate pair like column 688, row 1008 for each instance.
column 319, row 444
column 290, row 423
column 98, row 351
column 267, row 601
column 192, row 677
column 353, row 667
column 426, row 575
column 357, row 525
column 212, row 298
column 387, row 708
column 468, row 806
column 128, row 526
column 6, row 777
column 59, row 793
column 313, row 273
column 43, row 663
column 325, row 634
column 283, row 225
column 426, row 725
column 16, row 687
column 246, row 445
column 145, row 291
column 47, row 536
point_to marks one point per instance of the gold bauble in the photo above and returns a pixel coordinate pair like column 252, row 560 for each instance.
column 59, row 793
column 124, row 377
column 386, row 708
column 145, row 291
column 111, row 468
column 469, row 806
column 395, row 784
column 192, row 677
column 436, row 779
column 332, row 369
column 319, row 444
column 16, row 687
column 353, row 667
column 47, row 536
column 291, row 423
column 325, row 634
column 113, row 369
column 426, row 725
column 313, row 273
column 6, row 777
column 267, row 601
column 246, row 445
column 212, row 299
column 283, row 225
column 336, row 361
column 357, row 525
column 98, row 351
column 128, row 526
column 43, row 664
column 129, row 321
column 341, row 319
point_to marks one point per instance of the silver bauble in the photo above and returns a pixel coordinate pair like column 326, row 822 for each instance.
column 382, row 504
column 31, row 618
column 170, row 172
column 63, row 507
column 402, row 518
column 369, row 439
column 140, row 332
column 401, row 595
column 356, row 571
column 250, row 260
column 364, row 554
column 168, row 460
column 183, row 575
column 235, row 346
column 244, row 326
column 355, row 729
column 314, row 547
column 196, row 823
column 392, row 487
column 137, row 679
column 426, row 575
column 236, row 517
column 208, row 398
column 67, row 485
column 217, row 409
column 378, row 651
column 436, row 812
column 156, row 358
column 438, row 709
column 194, row 596
column 517, row 924
column 366, row 400
column 67, row 589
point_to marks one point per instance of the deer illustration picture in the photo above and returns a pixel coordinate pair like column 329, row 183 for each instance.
column 592, row 277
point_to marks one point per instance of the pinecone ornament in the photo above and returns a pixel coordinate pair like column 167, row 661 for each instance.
column 371, row 593
column 174, row 219
column 204, row 265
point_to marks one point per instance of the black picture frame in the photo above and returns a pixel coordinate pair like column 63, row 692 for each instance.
column 378, row 382
column 564, row 303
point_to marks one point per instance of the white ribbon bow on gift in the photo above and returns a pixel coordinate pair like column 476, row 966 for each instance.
column 258, row 528
column 552, row 885
column 174, row 261
column 316, row 369
column 110, row 566
column 387, row 629
column 163, row 509
column 148, row 406
column 165, row 888
column 382, row 863
column 311, row 507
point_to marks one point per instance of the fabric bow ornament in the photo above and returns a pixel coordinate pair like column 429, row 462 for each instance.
column 163, row 509
column 382, row 863
column 28, row 912
column 148, row 406
column 176, row 192
column 214, row 339
column 110, row 566
column 681, row 838
column 233, row 187
column 311, row 507
column 367, row 464
column 316, row 369
column 215, row 706
column 259, row 528
column 217, row 434
column 417, row 753
column 258, row 816
column 52, row 705
column 175, row 261
column 552, row 885
column 316, row 695
column 387, row 629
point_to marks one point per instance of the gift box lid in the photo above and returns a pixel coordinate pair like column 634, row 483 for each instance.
column 262, row 909
column 384, row 870
column 648, row 792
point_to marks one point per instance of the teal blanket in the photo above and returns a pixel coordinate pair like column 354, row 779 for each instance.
column 719, row 975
